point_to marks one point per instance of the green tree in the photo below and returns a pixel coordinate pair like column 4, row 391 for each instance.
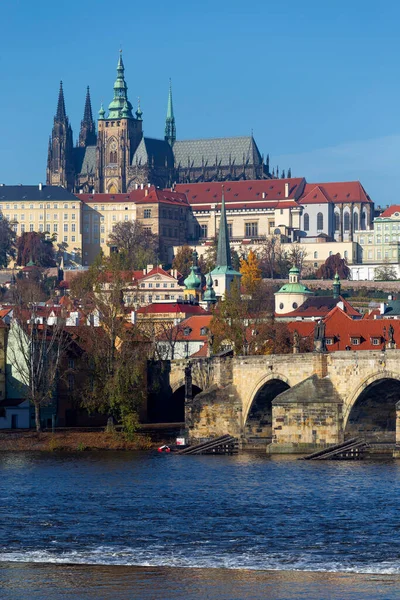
column 7, row 243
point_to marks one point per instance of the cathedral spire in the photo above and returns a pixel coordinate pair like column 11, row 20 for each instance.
column 87, row 134
column 170, row 130
column 223, row 250
column 120, row 94
column 61, row 115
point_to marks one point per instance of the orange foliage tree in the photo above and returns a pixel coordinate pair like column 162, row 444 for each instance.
column 251, row 272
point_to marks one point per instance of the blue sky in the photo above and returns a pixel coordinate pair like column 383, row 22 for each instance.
column 317, row 82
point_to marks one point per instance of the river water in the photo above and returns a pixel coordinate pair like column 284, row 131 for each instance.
column 152, row 526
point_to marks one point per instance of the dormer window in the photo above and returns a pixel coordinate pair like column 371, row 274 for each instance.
column 203, row 331
column 187, row 331
column 376, row 341
column 329, row 341
column 355, row 341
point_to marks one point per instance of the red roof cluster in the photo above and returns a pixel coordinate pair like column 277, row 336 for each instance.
column 161, row 308
column 344, row 333
column 336, row 192
column 390, row 211
column 140, row 196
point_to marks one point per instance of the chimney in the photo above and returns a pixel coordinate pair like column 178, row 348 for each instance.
column 40, row 187
column 382, row 308
column 146, row 192
column 133, row 317
column 286, row 190
column 149, row 268
column 263, row 194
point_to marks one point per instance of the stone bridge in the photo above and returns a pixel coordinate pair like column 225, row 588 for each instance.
column 292, row 403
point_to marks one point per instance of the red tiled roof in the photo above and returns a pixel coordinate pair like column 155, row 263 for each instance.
column 340, row 328
column 164, row 197
column 139, row 196
column 154, row 271
column 390, row 211
column 195, row 323
column 241, row 191
column 336, row 192
column 202, row 353
column 320, row 306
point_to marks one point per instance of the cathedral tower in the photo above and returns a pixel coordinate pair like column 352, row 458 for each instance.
column 119, row 134
column 60, row 165
column 170, row 129
column 87, row 134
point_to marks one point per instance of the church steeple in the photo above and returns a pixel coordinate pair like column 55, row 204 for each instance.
column 61, row 115
column 60, row 164
column 170, row 130
column 223, row 251
column 120, row 93
column 87, row 134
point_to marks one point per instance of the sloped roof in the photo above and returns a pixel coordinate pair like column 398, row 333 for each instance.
column 390, row 212
column 15, row 193
column 172, row 307
column 320, row 306
column 264, row 193
column 208, row 152
column 335, row 191
column 85, row 159
column 194, row 323
column 154, row 151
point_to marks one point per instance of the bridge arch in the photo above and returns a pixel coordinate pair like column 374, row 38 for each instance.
column 371, row 409
column 257, row 414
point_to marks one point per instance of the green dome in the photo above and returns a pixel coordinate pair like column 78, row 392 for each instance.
column 294, row 271
column 192, row 281
column 102, row 112
column 294, row 288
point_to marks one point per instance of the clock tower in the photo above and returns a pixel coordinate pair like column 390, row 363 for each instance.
column 119, row 134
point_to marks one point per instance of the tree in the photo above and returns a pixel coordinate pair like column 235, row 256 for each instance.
column 35, row 350
column 296, row 256
column 386, row 272
column 136, row 244
column 333, row 264
column 183, row 260
column 210, row 257
column 35, row 247
column 251, row 272
column 273, row 260
column 7, row 243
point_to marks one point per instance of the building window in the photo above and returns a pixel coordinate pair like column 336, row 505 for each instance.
column 22, row 228
column 346, row 254
column 73, row 227
column 31, row 227
column 203, row 231
column 230, row 227
column 73, row 216
column 65, row 217
column 251, row 229
column 337, row 221
column 306, row 222
column 65, row 226
column 376, row 341
column 346, row 221
column 315, row 254
column 147, row 213
column 48, row 227
column 355, row 221
column 363, row 220
column 329, row 341
column 55, row 227
column 320, row 221
column 355, row 341
column 65, row 238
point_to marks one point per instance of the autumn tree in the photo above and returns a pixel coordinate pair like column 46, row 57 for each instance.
column 183, row 260
column 251, row 272
column 7, row 243
column 273, row 259
column 35, row 350
column 136, row 245
column 35, row 247
column 333, row 264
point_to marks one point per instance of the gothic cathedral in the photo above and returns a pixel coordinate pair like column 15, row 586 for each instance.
column 119, row 157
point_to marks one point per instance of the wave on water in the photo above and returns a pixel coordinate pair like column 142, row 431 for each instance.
column 111, row 556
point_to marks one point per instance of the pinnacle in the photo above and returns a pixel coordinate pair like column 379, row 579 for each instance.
column 61, row 114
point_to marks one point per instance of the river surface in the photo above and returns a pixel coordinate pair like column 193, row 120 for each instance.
column 149, row 526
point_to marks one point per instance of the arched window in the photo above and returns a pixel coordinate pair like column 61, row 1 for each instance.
column 113, row 156
column 346, row 221
column 320, row 221
column 355, row 221
column 363, row 220
column 337, row 221
column 315, row 254
column 306, row 222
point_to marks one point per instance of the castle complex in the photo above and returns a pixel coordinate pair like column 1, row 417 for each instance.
column 119, row 157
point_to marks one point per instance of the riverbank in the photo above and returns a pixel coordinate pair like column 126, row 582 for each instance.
column 73, row 441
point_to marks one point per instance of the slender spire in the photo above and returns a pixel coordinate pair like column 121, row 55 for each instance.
column 139, row 112
column 87, row 134
column 223, row 250
column 120, row 94
column 170, row 129
column 61, row 115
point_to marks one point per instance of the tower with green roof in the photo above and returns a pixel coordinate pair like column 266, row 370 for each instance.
column 170, row 129
column 292, row 294
column 192, row 282
column 119, row 135
column 224, row 274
